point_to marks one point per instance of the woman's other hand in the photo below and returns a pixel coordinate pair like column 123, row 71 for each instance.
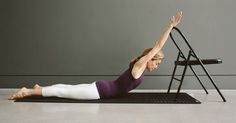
column 175, row 20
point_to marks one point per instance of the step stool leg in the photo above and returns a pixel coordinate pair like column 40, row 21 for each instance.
column 181, row 82
column 209, row 76
column 198, row 79
column 173, row 74
column 183, row 74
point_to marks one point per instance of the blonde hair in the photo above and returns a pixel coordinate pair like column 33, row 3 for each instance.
column 159, row 55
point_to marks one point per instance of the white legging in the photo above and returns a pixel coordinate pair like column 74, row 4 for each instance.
column 80, row 91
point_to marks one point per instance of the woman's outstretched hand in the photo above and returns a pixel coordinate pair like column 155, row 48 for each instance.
column 175, row 20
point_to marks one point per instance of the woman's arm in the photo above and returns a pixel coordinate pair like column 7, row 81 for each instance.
column 140, row 65
column 175, row 20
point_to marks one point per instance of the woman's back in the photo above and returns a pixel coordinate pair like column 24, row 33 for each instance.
column 122, row 85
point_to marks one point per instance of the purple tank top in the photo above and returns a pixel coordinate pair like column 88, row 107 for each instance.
column 122, row 85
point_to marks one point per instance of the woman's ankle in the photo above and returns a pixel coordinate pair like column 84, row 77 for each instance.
column 37, row 92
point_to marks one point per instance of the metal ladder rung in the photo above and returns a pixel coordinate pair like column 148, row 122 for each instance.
column 177, row 79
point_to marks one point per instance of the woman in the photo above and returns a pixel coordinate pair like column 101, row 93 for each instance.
column 130, row 79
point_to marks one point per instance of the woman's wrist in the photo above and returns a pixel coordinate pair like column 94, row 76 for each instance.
column 171, row 26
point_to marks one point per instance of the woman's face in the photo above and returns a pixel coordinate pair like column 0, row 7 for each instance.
column 153, row 64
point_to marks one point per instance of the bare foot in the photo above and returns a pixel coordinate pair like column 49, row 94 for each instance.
column 36, row 86
column 23, row 92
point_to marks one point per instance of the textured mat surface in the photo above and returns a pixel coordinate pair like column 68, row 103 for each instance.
column 150, row 98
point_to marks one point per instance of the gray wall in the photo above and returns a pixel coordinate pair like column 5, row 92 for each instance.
column 80, row 41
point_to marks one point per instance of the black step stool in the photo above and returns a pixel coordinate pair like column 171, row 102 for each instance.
column 186, row 61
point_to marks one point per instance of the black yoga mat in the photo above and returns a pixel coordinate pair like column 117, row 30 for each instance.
column 137, row 97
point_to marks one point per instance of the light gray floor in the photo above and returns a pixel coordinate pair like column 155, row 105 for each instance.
column 212, row 110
